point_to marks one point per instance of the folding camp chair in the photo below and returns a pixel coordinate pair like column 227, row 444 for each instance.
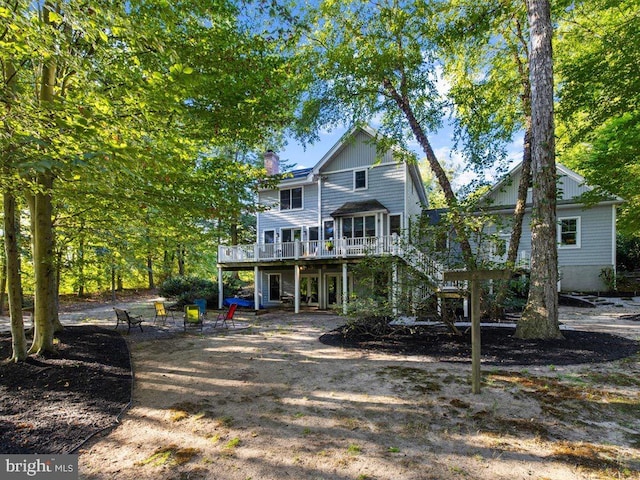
column 192, row 316
column 228, row 315
column 202, row 305
column 162, row 313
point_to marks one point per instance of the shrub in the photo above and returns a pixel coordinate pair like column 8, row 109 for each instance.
column 628, row 252
column 187, row 289
column 608, row 277
column 368, row 316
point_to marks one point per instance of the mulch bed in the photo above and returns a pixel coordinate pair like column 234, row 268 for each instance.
column 53, row 404
column 499, row 346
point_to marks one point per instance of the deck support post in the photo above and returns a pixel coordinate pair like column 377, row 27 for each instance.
column 257, row 288
column 296, row 296
column 322, row 300
column 345, row 291
column 220, row 289
column 394, row 289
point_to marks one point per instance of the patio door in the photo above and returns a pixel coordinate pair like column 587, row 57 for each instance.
column 334, row 288
column 291, row 234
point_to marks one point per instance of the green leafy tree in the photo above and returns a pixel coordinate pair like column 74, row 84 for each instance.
column 486, row 64
column 599, row 100
column 380, row 60
column 114, row 151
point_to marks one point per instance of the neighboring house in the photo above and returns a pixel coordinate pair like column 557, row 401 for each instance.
column 586, row 234
column 320, row 221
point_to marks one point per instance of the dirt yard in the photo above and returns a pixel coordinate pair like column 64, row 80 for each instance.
column 270, row 401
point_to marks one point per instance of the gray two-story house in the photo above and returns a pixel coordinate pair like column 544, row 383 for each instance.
column 586, row 234
column 320, row 221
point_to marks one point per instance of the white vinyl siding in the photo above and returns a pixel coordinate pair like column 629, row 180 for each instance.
column 596, row 240
column 276, row 219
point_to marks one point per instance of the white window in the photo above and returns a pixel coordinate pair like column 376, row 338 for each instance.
column 269, row 236
column 291, row 199
column 395, row 224
column 569, row 232
column 359, row 227
column 360, row 180
column 328, row 231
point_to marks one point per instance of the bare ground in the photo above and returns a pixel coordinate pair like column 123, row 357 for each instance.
column 270, row 401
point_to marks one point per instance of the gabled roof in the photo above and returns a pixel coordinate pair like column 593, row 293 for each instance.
column 560, row 168
column 340, row 144
column 365, row 206
column 516, row 169
column 309, row 175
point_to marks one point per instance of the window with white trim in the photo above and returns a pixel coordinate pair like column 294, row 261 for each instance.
column 569, row 232
column 291, row 234
column 269, row 236
column 360, row 180
column 395, row 224
column 291, row 199
column 359, row 227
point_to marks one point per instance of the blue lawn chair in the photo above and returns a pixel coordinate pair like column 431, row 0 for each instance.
column 202, row 306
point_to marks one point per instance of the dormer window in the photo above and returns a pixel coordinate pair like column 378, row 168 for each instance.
column 360, row 180
column 291, row 199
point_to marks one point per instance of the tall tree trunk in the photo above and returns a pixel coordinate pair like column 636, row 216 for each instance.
column 11, row 270
column 457, row 219
column 540, row 316
column 14, row 281
column 3, row 280
column 44, row 318
column 525, row 172
column 113, row 283
column 234, row 241
column 152, row 284
column 80, row 263
column 167, row 260
column 181, row 269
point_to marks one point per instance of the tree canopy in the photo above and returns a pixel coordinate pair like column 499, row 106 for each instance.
column 599, row 99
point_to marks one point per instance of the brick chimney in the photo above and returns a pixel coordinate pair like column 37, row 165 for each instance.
column 272, row 162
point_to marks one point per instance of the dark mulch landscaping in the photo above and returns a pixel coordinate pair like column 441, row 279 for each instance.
column 53, row 404
column 499, row 346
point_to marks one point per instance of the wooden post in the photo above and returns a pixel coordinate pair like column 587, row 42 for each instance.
column 220, row 289
column 475, row 277
column 296, row 296
column 476, row 375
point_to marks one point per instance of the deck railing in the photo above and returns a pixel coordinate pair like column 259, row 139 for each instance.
column 309, row 250
column 316, row 250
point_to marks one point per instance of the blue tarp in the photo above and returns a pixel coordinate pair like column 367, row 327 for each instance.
column 240, row 301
